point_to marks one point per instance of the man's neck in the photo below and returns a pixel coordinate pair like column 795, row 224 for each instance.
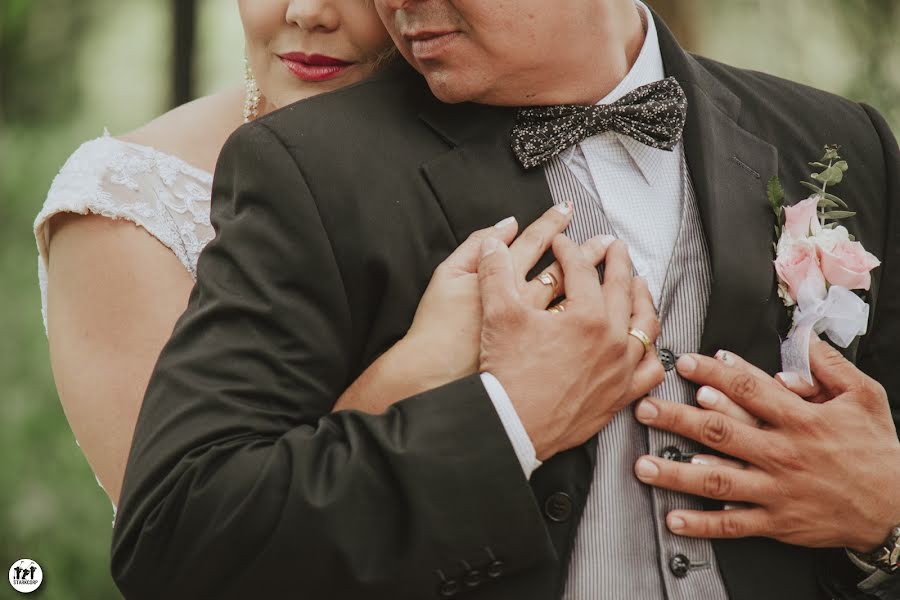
column 607, row 55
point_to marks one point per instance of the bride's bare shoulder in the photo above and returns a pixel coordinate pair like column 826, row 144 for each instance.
column 196, row 131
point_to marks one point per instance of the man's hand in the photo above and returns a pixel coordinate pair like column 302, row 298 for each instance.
column 818, row 475
column 567, row 373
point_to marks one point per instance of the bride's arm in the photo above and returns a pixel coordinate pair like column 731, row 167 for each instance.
column 114, row 295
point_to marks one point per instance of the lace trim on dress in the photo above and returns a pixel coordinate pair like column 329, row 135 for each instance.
column 122, row 180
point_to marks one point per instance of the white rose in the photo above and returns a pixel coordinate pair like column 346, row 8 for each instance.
column 787, row 242
column 826, row 239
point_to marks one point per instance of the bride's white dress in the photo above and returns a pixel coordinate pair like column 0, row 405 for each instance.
column 120, row 180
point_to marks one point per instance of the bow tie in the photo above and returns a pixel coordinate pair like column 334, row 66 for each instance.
column 652, row 114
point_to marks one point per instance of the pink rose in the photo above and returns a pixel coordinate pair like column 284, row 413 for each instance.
column 848, row 265
column 801, row 218
column 797, row 264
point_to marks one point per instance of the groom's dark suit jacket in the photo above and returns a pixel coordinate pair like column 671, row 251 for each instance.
column 331, row 216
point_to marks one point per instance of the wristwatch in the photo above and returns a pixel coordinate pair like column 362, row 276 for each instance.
column 885, row 557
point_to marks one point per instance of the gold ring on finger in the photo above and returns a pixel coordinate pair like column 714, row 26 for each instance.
column 642, row 337
column 557, row 308
column 549, row 279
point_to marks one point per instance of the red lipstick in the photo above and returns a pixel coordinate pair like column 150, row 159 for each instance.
column 314, row 67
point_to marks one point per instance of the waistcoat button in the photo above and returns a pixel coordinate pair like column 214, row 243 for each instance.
column 667, row 358
column 679, row 565
column 671, row 453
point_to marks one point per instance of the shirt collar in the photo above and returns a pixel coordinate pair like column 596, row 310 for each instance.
column 646, row 69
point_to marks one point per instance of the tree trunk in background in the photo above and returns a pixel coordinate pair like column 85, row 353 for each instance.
column 184, row 29
column 679, row 15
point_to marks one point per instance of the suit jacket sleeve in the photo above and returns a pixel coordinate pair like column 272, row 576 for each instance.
column 240, row 479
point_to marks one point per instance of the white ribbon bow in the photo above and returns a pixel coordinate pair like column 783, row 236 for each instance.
column 840, row 313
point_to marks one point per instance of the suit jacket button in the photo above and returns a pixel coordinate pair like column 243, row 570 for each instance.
column 558, row 507
column 667, row 358
column 679, row 565
column 671, row 453
column 449, row 588
column 495, row 569
column 472, row 579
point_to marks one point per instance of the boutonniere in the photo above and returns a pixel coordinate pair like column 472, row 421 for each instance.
column 819, row 264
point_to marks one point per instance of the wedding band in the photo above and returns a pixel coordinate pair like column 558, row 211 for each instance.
column 642, row 338
column 549, row 279
column 557, row 308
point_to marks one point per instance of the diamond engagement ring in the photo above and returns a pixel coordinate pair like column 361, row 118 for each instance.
column 549, row 279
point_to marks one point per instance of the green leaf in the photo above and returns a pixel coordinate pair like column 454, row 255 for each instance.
column 834, row 198
column 842, row 165
column 826, row 203
column 839, row 214
column 818, row 164
column 851, row 237
column 775, row 192
column 831, row 176
column 831, row 153
column 812, row 186
column 829, row 226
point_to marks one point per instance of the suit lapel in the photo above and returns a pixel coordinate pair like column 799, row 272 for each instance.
column 478, row 180
column 729, row 168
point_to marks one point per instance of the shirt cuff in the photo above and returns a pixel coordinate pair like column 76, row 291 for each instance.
column 515, row 431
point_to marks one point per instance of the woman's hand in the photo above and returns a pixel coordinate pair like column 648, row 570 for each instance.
column 443, row 342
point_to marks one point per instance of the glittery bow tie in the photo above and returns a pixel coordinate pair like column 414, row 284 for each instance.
column 652, row 114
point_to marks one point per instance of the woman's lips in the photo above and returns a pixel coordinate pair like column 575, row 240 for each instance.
column 429, row 45
column 314, row 67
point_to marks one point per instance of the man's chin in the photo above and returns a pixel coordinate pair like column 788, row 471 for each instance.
column 451, row 90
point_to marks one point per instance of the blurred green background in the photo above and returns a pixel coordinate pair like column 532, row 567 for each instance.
column 69, row 69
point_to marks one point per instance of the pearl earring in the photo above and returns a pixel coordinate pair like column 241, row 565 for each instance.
column 251, row 93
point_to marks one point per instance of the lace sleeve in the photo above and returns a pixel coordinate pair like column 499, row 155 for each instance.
column 156, row 191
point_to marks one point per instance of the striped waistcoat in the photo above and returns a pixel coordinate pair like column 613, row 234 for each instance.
column 622, row 547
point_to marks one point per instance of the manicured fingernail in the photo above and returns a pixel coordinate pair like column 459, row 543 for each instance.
column 725, row 356
column 505, row 222
column 646, row 469
column 789, row 379
column 686, row 364
column 564, row 208
column 699, row 460
column 489, row 246
column 706, row 397
column 606, row 240
column 646, row 411
column 675, row 523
